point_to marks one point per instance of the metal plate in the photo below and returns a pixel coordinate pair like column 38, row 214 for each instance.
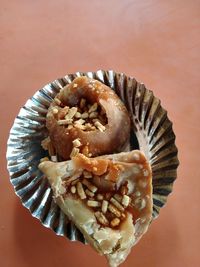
column 151, row 130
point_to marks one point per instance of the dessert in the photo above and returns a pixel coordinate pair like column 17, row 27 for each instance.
column 109, row 199
column 91, row 113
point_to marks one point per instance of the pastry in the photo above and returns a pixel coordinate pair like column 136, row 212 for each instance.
column 91, row 112
column 109, row 199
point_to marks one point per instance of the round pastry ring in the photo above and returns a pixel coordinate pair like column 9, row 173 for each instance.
column 151, row 130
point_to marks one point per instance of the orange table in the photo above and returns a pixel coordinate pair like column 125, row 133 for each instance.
column 156, row 41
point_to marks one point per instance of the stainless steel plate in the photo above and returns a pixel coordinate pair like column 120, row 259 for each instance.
column 151, row 131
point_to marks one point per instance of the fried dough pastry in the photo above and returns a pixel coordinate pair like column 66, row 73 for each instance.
column 109, row 199
column 90, row 112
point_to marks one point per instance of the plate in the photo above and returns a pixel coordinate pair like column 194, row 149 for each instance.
column 151, row 132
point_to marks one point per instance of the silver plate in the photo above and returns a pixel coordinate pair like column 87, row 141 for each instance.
column 151, row 130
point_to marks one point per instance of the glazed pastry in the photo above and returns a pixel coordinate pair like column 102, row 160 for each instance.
column 109, row 199
column 91, row 112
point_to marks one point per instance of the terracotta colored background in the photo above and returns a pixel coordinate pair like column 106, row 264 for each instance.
column 156, row 41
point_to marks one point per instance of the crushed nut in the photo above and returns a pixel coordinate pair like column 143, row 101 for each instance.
column 80, row 121
column 100, row 126
column 73, row 189
column 89, row 185
column 74, row 152
column 93, row 108
column 85, row 115
column 77, row 115
column 115, row 222
column 71, row 113
column 104, row 206
column 116, row 204
column 76, row 142
column 93, row 203
column 65, row 122
column 80, row 191
column 125, row 200
column 101, row 218
column 93, row 115
column 114, row 210
column 89, row 193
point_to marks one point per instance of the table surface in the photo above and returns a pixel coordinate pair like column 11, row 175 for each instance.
column 157, row 42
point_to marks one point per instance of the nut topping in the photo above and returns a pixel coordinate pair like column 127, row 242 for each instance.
column 90, row 186
column 101, row 218
column 93, row 203
column 115, row 222
column 80, row 190
column 125, row 200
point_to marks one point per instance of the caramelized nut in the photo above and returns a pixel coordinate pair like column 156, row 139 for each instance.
column 80, row 191
column 85, row 115
column 114, row 210
column 100, row 126
column 71, row 113
column 76, row 142
column 104, row 206
column 125, row 200
column 80, row 121
column 116, row 204
column 93, row 108
column 101, row 218
column 115, row 222
column 89, row 193
column 77, row 115
column 65, row 122
column 73, row 189
column 90, row 186
column 93, row 203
